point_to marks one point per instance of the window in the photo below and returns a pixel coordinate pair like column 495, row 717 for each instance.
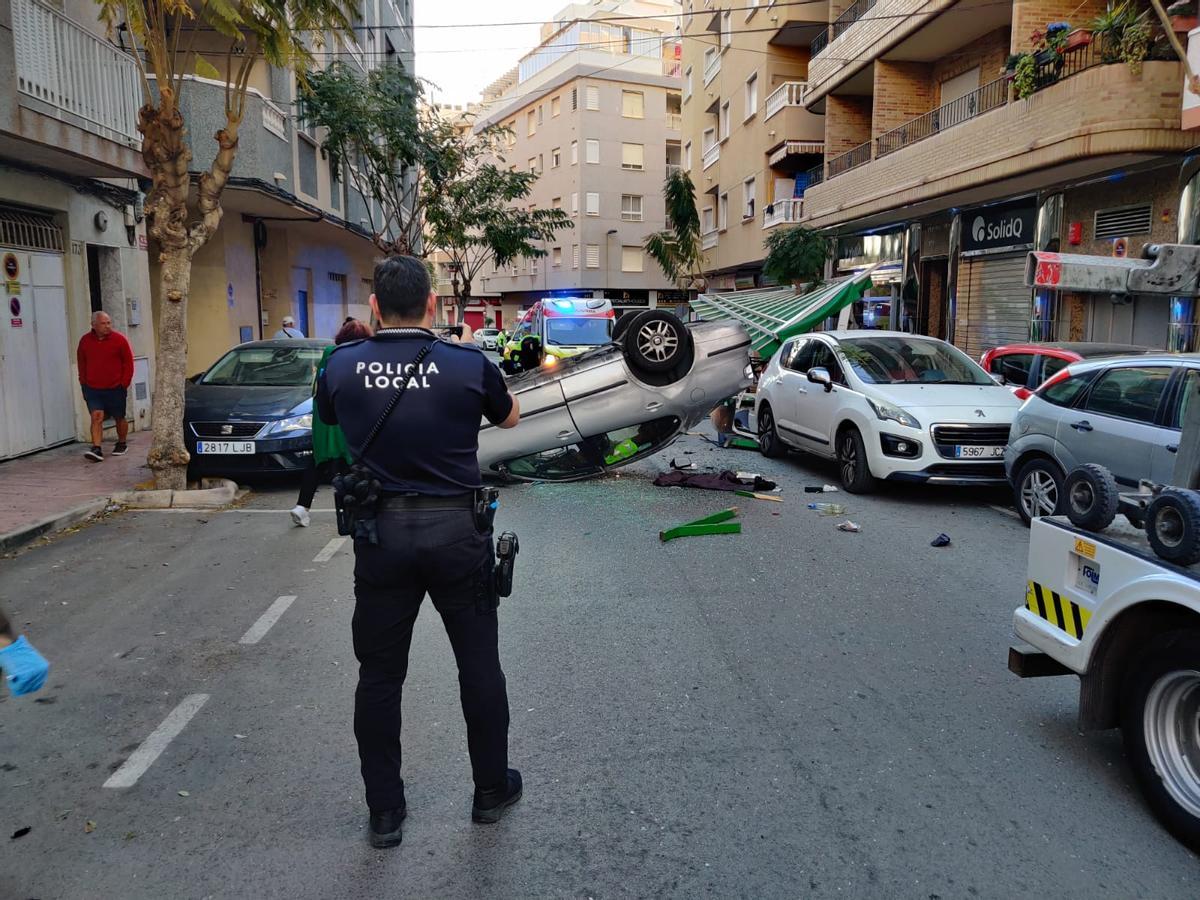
column 631, row 259
column 1013, row 367
column 723, row 120
column 632, row 156
column 1186, row 396
column 1067, row 391
column 799, row 356
column 574, row 152
column 751, row 96
column 726, row 29
column 631, row 207
column 555, row 106
column 574, row 256
column 687, row 156
column 575, row 203
column 533, row 166
column 707, row 221
column 1051, row 366
column 556, row 257
column 531, row 123
column 723, row 211
column 592, row 152
column 533, row 266
column 592, row 96
column 687, row 84
column 824, row 358
column 749, row 197
column 633, row 104
column 1129, row 392
column 541, row 111
column 556, row 157
column 708, row 138
column 574, row 99
column 593, row 256
column 510, row 137
column 306, row 152
column 592, row 207
column 556, row 202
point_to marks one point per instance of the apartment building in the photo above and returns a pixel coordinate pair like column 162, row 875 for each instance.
column 295, row 237
column 72, row 235
column 595, row 110
column 748, row 139
column 939, row 159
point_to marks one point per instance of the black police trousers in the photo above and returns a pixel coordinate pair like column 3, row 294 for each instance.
column 439, row 552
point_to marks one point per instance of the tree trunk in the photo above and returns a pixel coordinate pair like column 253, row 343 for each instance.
column 463, row 297
column 168, row 456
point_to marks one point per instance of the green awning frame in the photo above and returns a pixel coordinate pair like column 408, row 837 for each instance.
column 772, row 316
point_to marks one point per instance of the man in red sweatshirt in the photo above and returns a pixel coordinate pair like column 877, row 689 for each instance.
column 105, row 370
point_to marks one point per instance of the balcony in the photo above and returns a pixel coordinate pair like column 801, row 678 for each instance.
column 1073, row 126
column 708, row 240
column 73, row 75
column 711, row 155
column 967, row 107
column 711, row 67
column 673, row 169
column 674, row 121
column 783, row 212
column 815, row 175
column 672, row 68
column 851, row 15
column 851, row 159
column 790, row 93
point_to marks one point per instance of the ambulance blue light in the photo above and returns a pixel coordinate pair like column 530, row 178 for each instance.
column 563, row 304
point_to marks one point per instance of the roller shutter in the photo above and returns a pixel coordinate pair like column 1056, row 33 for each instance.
column 993, row 303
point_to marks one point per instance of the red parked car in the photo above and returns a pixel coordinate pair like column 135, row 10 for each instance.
column 1025, row 367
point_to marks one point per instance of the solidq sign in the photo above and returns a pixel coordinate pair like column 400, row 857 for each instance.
column 992, row 229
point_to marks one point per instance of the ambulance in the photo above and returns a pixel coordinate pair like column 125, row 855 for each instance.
column 558, row 328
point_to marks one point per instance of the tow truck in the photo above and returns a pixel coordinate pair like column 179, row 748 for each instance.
column 1117, row 603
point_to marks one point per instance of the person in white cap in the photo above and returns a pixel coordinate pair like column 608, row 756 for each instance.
column 288, row 329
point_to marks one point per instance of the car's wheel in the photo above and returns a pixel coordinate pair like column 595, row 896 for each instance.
column 769, row 444
column 1173, row 526
column 1038, row 490
column 1090, row 495
column 1160, row 712
column 853, row 467
column 622, row 326
column 656, row 341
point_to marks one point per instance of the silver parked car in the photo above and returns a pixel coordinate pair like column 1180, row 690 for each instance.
column 1123, row 414
column 585, row 415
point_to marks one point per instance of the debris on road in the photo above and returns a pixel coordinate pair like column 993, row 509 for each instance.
column 718, row 523
column 849, row 526
column 820, row 489
column 757, row 496
column 21, row 832
column 687, row 466
column 184, row 794
column 828, row 509
column 722, row 481
column 89, row 826
column 942, row 540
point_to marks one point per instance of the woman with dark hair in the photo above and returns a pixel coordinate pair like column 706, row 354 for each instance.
column 330, row 453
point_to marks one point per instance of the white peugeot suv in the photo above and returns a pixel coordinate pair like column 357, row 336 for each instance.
column 885, row 405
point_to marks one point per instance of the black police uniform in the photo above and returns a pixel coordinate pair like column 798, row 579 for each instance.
column 426, row 459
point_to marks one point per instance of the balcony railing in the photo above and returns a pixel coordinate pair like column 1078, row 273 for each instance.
column 851, row 159
column 783, row 212
column 274, row 119
column 815, row 175
column 790, row 93
column 1072, row 61
column 674, row 121
column 979, row 101
column 708, row 240
column 711, row 155
column 673, row 68
column 711, row 68
column 841, row 24
column 81, row 78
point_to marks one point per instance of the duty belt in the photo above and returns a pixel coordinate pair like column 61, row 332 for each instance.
column 426, row 501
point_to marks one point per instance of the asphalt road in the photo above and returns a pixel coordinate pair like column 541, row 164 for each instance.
column 793, row 711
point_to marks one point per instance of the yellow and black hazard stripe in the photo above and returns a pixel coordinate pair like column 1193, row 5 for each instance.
column 1057, row 610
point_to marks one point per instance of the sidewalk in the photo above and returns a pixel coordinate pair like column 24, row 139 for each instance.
column 54, row 489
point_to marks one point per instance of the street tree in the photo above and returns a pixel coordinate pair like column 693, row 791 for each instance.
column 395, row 146
column 796, row 254
column 479, row 218
column 677, row 248
column 182, row 216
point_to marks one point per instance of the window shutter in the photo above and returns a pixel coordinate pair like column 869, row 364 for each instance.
column 632, row 156
column 574, row 256
column 592, row 152
column 593, row 97
column 593, row 204
column 593, row 256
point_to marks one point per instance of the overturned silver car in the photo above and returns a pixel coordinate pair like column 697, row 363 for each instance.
column 583, row 416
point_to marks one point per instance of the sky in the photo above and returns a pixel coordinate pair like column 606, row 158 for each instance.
column 463, row 61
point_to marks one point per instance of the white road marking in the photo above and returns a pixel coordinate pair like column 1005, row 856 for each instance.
column 260, row 628
column 152, row 747
column 1004, row 510
column 331, row 548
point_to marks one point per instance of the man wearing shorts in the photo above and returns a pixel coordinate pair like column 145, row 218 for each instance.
column 105, row 370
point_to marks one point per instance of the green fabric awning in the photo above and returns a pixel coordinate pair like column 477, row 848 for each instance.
column 772, row 316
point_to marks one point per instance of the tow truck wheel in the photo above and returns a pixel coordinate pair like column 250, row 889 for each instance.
column 1160, row 723
column 1091, row 496
column 1173, row 526
column 656, row 341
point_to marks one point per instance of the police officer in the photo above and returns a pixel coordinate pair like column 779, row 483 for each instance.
column 429, row 540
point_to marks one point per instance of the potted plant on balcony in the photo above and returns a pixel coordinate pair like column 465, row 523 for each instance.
column 1135, row 44
column 1109, row 27
column 1025, row 76
column 1078, row 38
column 1182, row 15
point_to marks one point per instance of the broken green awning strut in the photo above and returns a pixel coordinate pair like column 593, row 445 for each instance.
column 772, row 316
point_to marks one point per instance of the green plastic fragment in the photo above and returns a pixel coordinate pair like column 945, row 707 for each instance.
column 717, row 523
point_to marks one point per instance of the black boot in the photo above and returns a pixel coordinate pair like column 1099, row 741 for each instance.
column 385, row 827
column 490, row 804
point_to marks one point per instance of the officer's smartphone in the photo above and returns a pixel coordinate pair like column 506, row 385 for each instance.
column 450, row 330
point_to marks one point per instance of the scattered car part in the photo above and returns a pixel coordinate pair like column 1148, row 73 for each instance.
column 718, row 523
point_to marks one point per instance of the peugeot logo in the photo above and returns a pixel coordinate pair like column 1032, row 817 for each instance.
column 228, row 429
column 980, row 413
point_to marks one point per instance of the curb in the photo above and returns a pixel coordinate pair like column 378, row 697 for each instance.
column 57, row 522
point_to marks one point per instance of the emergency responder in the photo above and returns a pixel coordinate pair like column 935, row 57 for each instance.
column 429, row 537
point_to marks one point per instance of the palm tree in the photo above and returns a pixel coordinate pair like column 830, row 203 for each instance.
column 677, row 248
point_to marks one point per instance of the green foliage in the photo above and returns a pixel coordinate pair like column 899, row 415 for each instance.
column 1109, row 28
column 677, row 249
column 1025, row 77
column 796, row 254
